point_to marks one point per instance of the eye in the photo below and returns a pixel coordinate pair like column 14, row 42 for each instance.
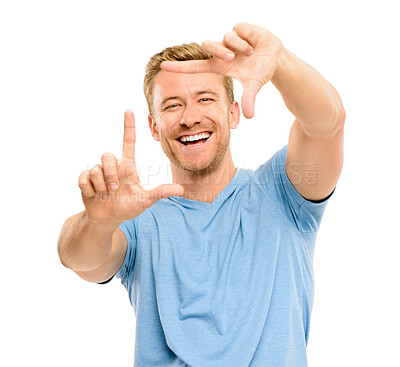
column 206, row 99
column 172, row 106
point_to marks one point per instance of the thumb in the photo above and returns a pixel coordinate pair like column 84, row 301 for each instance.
column 162, row 192
column 251, row 88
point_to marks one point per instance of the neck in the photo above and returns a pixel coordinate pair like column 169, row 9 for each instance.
column 204, row 186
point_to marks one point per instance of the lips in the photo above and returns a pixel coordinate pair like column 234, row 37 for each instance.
column 194, row 138
column 192, row 146
column 194, row 133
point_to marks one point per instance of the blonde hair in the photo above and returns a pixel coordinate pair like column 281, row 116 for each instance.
column 185, row 52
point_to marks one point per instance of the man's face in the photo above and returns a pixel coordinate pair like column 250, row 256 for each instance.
column 186, row 105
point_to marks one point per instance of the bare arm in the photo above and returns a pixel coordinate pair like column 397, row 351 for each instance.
column 90, row 242
column 253, row 55
column 316, row 139
column 308, row 95
column 94, row 252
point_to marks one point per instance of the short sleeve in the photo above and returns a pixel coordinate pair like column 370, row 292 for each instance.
column 306, row 215
column 126, row 270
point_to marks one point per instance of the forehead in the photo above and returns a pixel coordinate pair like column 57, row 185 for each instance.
column 167, row 84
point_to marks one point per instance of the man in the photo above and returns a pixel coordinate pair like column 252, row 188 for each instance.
column 217, row 265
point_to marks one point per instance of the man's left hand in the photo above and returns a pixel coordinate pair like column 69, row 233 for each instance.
column 248, row 53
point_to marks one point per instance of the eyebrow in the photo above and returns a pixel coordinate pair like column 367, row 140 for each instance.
column 166, row 99
column 207, row 92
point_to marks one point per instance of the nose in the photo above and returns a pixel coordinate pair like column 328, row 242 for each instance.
column 190, row 116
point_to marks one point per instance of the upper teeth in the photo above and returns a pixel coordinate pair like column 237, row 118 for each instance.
column 195, row 137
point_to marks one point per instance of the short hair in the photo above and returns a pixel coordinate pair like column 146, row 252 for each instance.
column 184, row 52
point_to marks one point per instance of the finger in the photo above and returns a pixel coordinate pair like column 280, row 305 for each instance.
column 218, row 50
column 127, row 173
column 247, row 32
column 188, row 67
column 250, row 91
column 162, row 192
column 109, row 163
column 85, row 185
column 96, row 176
column 128, row 148
column 234, row 42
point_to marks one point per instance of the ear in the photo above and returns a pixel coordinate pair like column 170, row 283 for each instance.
column 153, row 128
column 234, row 115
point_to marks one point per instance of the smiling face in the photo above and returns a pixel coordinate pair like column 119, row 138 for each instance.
column 192, row 120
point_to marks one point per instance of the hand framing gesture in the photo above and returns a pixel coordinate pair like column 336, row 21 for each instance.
column 249, row 54
column 112, row 192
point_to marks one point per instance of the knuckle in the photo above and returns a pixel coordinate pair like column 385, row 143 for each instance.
column 110, row 170
column 205, row 43
column 94, row 171
column 83, row 178
column 111, row 177
column 244, row 29
column 101, row 190
column 129, row 141
column 228, row 37
column 81, row 184
column 237, row 26
column 107, row 156
column 85, row 197
column 248, row 31
column 128, row 171
column 83, row 175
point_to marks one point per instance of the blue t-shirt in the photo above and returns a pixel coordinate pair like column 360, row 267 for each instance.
column 227, row 283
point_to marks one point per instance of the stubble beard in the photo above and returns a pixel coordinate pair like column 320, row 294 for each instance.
column 203, row 168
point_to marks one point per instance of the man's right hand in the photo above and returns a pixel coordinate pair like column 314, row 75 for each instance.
column 111, row 191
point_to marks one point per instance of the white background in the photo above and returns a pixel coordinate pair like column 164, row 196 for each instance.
column 70, row 69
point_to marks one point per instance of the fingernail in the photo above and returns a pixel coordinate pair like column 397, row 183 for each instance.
column 113, row 186
column 104, row 196
column 229, row 56
column 250, row 52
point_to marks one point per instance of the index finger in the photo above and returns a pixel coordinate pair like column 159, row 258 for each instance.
column 128, row 148
column 188, row 67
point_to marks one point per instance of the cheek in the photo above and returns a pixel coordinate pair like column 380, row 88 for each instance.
column 171, row 119
column 220, row 113
column 166, row 126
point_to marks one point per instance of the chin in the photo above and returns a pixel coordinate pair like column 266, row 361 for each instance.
column 202, row 164
column 199, row 167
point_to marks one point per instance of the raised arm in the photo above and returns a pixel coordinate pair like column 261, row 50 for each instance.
column 314, row 158
column 90, row 242
column 253, row 55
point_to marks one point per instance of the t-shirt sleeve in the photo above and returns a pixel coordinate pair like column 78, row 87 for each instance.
column 126, row 270
column 306, row 215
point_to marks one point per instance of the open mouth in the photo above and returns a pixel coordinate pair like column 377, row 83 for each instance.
column 195, row 139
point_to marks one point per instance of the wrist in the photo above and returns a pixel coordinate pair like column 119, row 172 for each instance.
column 282, row 68
column 103, row 226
